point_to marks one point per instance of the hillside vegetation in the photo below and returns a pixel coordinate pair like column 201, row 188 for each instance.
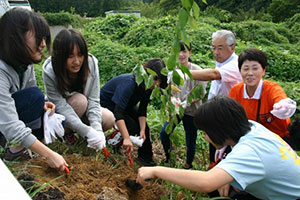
column 120, row 42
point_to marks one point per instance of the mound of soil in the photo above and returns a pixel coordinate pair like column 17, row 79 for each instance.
column 89, row 179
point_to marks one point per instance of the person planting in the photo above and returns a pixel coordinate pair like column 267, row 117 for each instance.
column 23, row 36
column 121, row 95
column 257, row 164
column 71, row 78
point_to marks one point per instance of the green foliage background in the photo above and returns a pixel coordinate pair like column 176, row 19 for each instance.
column 121, row 42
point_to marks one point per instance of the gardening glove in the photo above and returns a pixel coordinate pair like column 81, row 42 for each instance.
column 176, row 101
column 284, row 109
column 53, row 126
column 96, row 139
column 137, row 140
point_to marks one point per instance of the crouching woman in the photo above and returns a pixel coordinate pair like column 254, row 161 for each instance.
column 257, row 158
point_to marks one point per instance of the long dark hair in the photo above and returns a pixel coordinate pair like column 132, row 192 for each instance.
column 14, row 25
column 63, row 46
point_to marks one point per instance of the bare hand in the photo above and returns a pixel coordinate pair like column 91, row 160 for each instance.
column 56, row 161
column 143, row 135
column 144, row 173
column 49, row 106
column 224, row 190
column 127, row 145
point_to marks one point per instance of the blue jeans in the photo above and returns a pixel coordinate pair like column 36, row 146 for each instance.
column 190, row 137
column 29, row 104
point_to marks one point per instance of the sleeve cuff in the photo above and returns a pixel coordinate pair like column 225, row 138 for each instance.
column 28, row 141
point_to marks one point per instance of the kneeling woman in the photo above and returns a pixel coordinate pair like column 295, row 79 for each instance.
column 71, row 77
column 257, row 158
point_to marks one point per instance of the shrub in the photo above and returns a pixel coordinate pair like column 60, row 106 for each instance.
column 63, row 18
column 258, row 32
column 114, row 26
column 115, row 58
column 222, row 15
column 282, row 65
column 149, row 33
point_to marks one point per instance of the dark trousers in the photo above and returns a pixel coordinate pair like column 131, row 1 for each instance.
column 133, row 127
column 190, row 137
column 29, row 104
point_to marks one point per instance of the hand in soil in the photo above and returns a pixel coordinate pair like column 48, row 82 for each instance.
column 56, row 161
column 145, row 174
column 133, row 184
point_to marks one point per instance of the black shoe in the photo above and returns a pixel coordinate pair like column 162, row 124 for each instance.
column 146, row 162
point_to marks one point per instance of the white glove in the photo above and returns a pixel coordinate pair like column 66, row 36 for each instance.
column 176, row 101
column 96, row 139
column 52, row 125
column 284, row 109
column 137, row 140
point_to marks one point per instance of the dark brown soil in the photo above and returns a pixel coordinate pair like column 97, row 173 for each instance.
column 89, row 179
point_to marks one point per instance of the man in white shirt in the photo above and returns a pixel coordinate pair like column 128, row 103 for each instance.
column 224, row 76
column 226, row 73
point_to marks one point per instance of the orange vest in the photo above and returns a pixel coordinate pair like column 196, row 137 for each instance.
column 271, row 94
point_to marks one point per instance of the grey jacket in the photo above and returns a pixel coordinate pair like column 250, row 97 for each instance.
column 13, row 129
column 91, row 91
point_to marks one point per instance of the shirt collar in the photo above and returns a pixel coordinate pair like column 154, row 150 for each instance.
column 257, row 93
column 226, row 61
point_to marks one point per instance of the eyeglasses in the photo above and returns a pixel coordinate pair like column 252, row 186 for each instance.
column 220, row 48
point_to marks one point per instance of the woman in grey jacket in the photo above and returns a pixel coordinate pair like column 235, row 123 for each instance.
column 71, row 77
column 23, row 35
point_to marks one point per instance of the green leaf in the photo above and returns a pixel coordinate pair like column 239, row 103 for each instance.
column 193, row 22
column 139, row 74
column 163, row 99
column 171, row 107
column 151, row 72
column 204, row 1
column 175, row 120
column 176, row 78
column 196, row 10
column 185, row 70
column 176, row 46
column 183, row 18
column 198, row 92
column 187, row 4
column 155, row 92
column 169, row 128
column 164, row 71
column 181, row 111
column 149, row 82
column 171, row 63
column 184, row 37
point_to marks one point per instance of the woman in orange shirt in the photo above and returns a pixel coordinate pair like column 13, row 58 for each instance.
column 264, row 101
